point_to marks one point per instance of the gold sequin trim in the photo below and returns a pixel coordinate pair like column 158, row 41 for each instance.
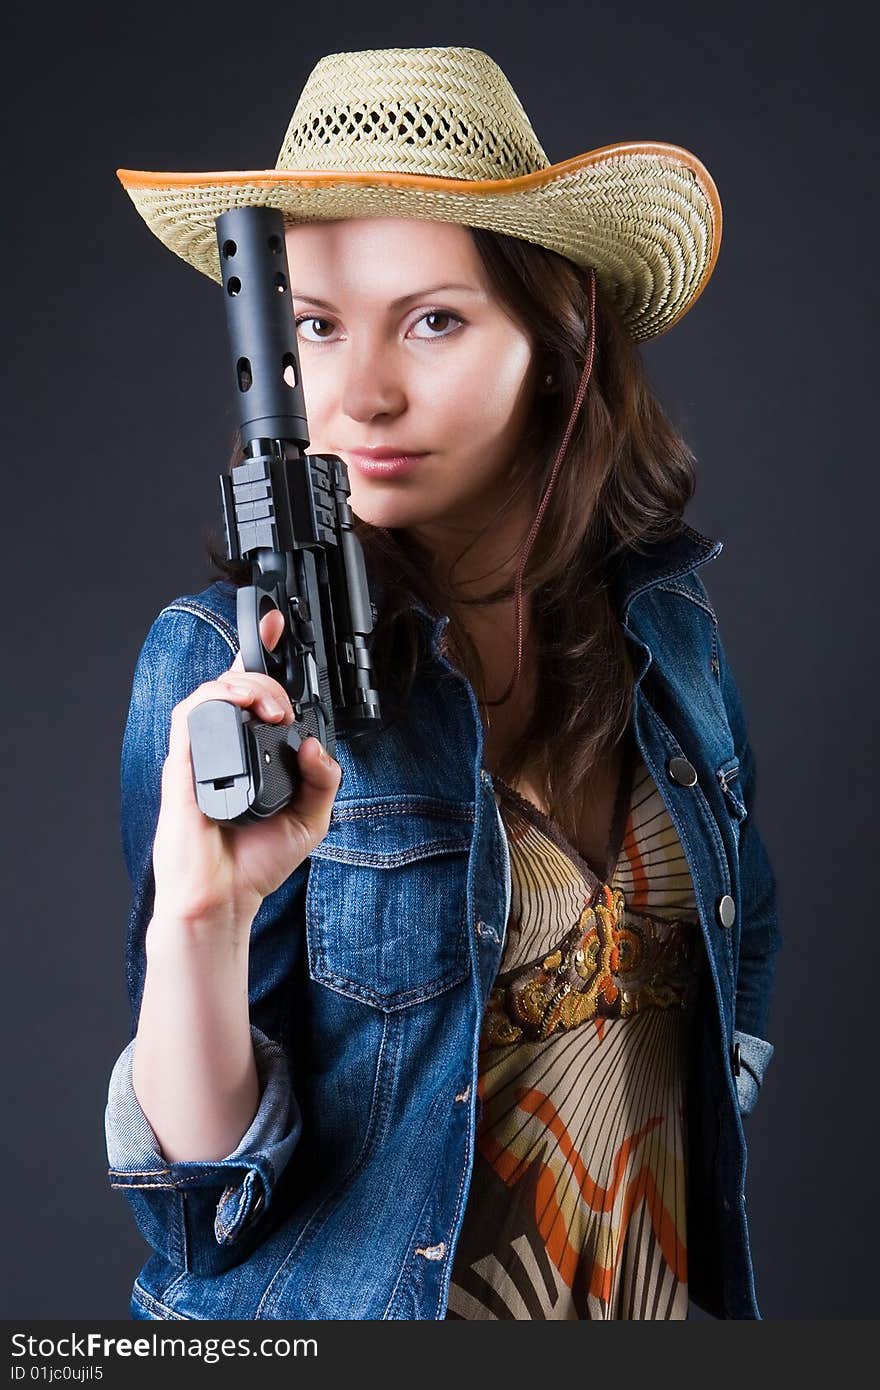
column 610, row 965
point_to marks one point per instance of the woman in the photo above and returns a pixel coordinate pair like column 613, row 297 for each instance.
column 470, row 1033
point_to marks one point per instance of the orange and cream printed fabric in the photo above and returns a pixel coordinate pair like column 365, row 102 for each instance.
column 577, row 1201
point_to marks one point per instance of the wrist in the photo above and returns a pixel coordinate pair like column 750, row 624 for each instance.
column 208, row 931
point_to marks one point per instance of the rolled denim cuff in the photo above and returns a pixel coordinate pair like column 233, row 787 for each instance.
column 246, row 1176
column 754, row 1055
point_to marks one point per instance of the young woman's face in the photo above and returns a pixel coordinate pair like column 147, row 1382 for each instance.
column 404, row 347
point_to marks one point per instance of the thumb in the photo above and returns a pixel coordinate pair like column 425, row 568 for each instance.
column 320, row 776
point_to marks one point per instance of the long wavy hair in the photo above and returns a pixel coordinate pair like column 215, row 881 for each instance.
column 624, row 484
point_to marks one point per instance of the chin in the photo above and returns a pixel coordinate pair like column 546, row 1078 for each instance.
column 383, row 517
column 388, row 514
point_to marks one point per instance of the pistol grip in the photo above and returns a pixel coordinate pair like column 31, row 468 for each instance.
column 243, row 769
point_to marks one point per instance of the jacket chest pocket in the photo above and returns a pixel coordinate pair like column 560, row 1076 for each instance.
column 386, row 907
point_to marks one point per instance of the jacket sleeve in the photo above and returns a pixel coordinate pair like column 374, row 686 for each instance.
column 203, row 1217
column 759, row 934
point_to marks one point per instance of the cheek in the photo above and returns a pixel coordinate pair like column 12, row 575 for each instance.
column 480, row 392
column 320, row 401
column 506, row 390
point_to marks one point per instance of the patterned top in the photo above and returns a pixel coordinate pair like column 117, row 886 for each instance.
column 577, row 1200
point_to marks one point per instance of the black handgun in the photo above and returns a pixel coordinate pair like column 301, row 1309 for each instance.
column 286, row 512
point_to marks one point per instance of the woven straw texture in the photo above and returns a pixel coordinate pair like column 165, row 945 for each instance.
column 447, row 112
column 440, row 134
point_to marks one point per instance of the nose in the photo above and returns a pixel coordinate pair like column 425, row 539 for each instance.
column 372, row 385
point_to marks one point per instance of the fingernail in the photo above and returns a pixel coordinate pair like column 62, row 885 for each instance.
column 275, row 707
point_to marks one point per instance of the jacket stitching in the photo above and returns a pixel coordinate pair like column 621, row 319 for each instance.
column 390, row 858
column 684, row 592
column 179, row 1184
column 656, row 580
column 184, row 1235
column 392, row 1002
column 396, row 1295
column 137, row 1172
column 461, row 1184
column 219, row 1223
column 323, row 973
column 141, row 1185
column 196, row 610
column 400, row 808
column 379, row 1108
column 172, row 1287
column 151, row 1303
column 698, row 537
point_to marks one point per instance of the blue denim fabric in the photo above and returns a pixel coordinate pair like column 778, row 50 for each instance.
column 371, row 965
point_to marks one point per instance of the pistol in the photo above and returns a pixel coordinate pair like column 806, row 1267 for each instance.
column 285, row 511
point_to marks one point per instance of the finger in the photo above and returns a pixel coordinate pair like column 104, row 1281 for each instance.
column 177, row 773
column 271, row 628
column 251, row 690
column 320, row 776
column 263, row 696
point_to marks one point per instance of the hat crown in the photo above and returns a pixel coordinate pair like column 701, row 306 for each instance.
column 446, row 112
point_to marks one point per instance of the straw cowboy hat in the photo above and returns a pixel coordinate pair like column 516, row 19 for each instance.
column 440, row 133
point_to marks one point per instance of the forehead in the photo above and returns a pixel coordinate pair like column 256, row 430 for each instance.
column 385, row 254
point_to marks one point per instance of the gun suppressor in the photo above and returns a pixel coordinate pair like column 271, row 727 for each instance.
column 286, row 512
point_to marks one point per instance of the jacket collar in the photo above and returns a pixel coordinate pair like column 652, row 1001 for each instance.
column 662, row 560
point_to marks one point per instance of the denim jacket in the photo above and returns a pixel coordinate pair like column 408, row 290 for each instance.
column 371, row 965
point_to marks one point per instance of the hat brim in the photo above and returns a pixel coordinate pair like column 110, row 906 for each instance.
column 646, row 216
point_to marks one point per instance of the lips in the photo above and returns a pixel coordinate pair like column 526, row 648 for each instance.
column 383, row 463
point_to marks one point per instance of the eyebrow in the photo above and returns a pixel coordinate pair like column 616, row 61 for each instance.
column 396, row 303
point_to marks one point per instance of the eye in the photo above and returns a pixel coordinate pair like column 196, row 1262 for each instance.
column 441, row 324
column 314, row 319
column 443, row 321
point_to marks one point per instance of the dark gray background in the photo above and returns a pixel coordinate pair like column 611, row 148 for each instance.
column 120, row 421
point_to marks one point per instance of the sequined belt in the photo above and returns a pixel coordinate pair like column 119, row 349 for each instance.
column 610, row 965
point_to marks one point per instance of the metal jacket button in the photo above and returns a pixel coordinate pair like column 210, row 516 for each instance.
column 735, row 1060
column 726, row 910
column 682, row 772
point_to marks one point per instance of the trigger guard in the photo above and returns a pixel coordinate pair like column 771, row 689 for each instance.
column 254, row 656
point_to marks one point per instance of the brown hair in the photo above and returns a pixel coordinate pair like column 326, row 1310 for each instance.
column 623, row 484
